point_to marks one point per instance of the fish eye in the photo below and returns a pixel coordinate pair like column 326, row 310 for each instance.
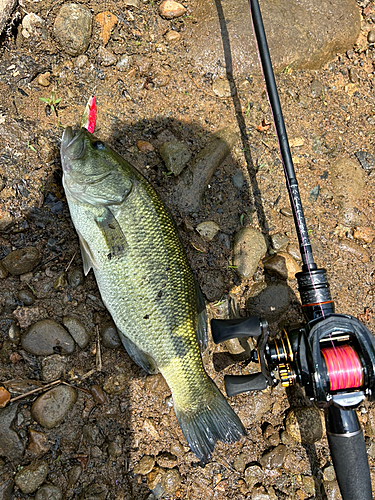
column 98, row 145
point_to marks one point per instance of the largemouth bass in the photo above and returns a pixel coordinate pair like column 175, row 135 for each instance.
column 129, row 239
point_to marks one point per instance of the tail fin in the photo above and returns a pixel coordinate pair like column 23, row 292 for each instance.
column 209, row 422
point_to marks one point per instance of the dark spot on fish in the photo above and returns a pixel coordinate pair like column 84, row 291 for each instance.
column 111, row 226
column 160, row 293
column 180, row 346
column 109, row 256
column 146, row 317
column 98, row 145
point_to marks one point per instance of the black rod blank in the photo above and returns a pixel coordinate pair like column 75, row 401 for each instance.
column 273, row 96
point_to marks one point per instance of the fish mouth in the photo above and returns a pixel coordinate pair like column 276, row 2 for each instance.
column 72, row 143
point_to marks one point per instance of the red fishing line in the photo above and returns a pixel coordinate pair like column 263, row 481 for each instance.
column 343, row 367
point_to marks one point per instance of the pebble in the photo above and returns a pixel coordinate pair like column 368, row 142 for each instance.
column 332, row 490
column 6, row 220
column 51, row 407
column 73, row 27
column 123, row 64
column 46, row 337
column 145, row 147
column 366, row 160
column 169, row 9
column 145, row 465
column 212, row 285
column 154, row 481
column 271, row 302
column 10, row 443
column 150, row 427
column 239, row 463
column 34, row 26
column 76, row 330
column 43, row 79
column 222, row 88
column 94, row 492
column 6, row 490
column 166, row 460
column 27, row 297
column 238, row 179
column 115, row 448
column 248, row 248
column 109, row 336
column 282, row 265
column 106, row 57
column 253, row 475
column 3, row 272
column 60, row 281
column 53, row 367
column 132, row 3
column 329, row 473
column 366, row 234
column 30, row 477
column 107, row 21
column 348, row 185
column 274, row 459
column 175, row 155
column 354, row 249
column 26, row 316
column 286, row 212
column 21, row 261
column 156, row 384
column 49, row 492
column 38, row 443
column 98, row 394
column 170, row 481
column 316, row 90
column 172, row 36
column 14, row 333
column 371, row 36
column 81, row 61
column 74, row 474
column 4, row 397
column 177, row 449
column 116, row 384
column 208, row 229
column 279, row 241
column 92, row 435
column 304, row 425
column 75, row 277
column 161, row 79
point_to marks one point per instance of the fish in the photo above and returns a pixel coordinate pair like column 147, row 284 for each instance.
column 130, row 241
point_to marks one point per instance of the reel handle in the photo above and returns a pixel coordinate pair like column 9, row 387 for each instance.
column 348, row 452
column 227, row 329
column 237, row 384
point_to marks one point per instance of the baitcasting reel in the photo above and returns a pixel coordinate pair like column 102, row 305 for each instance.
column 332, row 356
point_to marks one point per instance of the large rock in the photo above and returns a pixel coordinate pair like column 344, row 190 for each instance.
column 302, row 34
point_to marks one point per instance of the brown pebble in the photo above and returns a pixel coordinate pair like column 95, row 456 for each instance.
column 356, row 250
column 156, row 383
column 3, row 271
column 172, row 36
column 43, row 79
column 98, row 394
column 155, row 477
column 166, row 460
column 4, row 397
column 169, row 9
column 286, row 212
column 144, row 146
column 366, row 234
column 144, row 466
column 38, row 443
column 107, row 21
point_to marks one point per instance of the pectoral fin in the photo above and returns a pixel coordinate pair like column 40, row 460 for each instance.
column 87, row 257
column 142, row 359
column 113, row 235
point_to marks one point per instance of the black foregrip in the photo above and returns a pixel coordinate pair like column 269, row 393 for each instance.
column 237, row 384
column 226, row 329
column 351, row 465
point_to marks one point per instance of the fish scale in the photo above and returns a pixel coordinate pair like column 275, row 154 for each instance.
column 130, row 241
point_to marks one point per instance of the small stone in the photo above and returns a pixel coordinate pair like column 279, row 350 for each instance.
column 74, row 474
column 208, row 229
column 98, row 394
column 43, row 79
column 6, row 220
column 161, row 79
column 34, row 26
column 169, row 9
column 49, row 492
column 253, row 475
column 154, row 479
column 239, row 463
column 249, row 246
column 144, row 466
column 170, row 481
column 94, row 492
column 107, row 21
column 354, row 249
column 10, row 443
column 116, row 384
column 331, row 489
column 279, row 241
column 223, row 88
column 51, row 407
column 46, row 337
column 166, row 460
column 27, row 297
column 72, row 28
column 75, row 277
column 30, row 477
column 286, row 212
column 92, row 435
column 177, row 449
column 131, row 3
column 175, row 155
column 123, row 64
column 60, row 281
column 172, row 36
column 145, row 147
column 115, row 448
column 329, row 473
column 150, row 428
column 371, row 36
column 366, row 234
column 212, row 285
column 3, row 272
column 282, row 265
column 274, row 459
column 53, row 367
column 76, row 330
column 316, row 90
column 304, row 425
column 81, row 61
column 156, row 384
column 21, row 261
column 38, row 443
column 14, row 333
column 106, row 57
column 271, row 302
column 26, row 316
column 238, row 180
column 296, row 142
column 4, row 397
column 109, row 336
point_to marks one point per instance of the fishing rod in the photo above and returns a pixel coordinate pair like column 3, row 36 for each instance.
column 331, row 356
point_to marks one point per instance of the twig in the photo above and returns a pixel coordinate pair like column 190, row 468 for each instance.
column 70, row 262
column 47, row 386
column 99, row 364
column 78, row 388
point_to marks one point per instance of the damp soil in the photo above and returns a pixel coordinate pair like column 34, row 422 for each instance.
column 330, row 114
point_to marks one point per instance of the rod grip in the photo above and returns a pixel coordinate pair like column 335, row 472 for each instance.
column 226, row 329
column 349, row 457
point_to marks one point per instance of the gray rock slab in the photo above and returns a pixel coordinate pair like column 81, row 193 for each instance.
column 302, row 34
column 10, row 443
column 21, row 261
column 29, row 478
column 76, row 330
column 51, row 407
column 47, row 337
column 271, row 302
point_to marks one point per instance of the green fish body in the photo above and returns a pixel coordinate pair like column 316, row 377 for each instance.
column 129, row 239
